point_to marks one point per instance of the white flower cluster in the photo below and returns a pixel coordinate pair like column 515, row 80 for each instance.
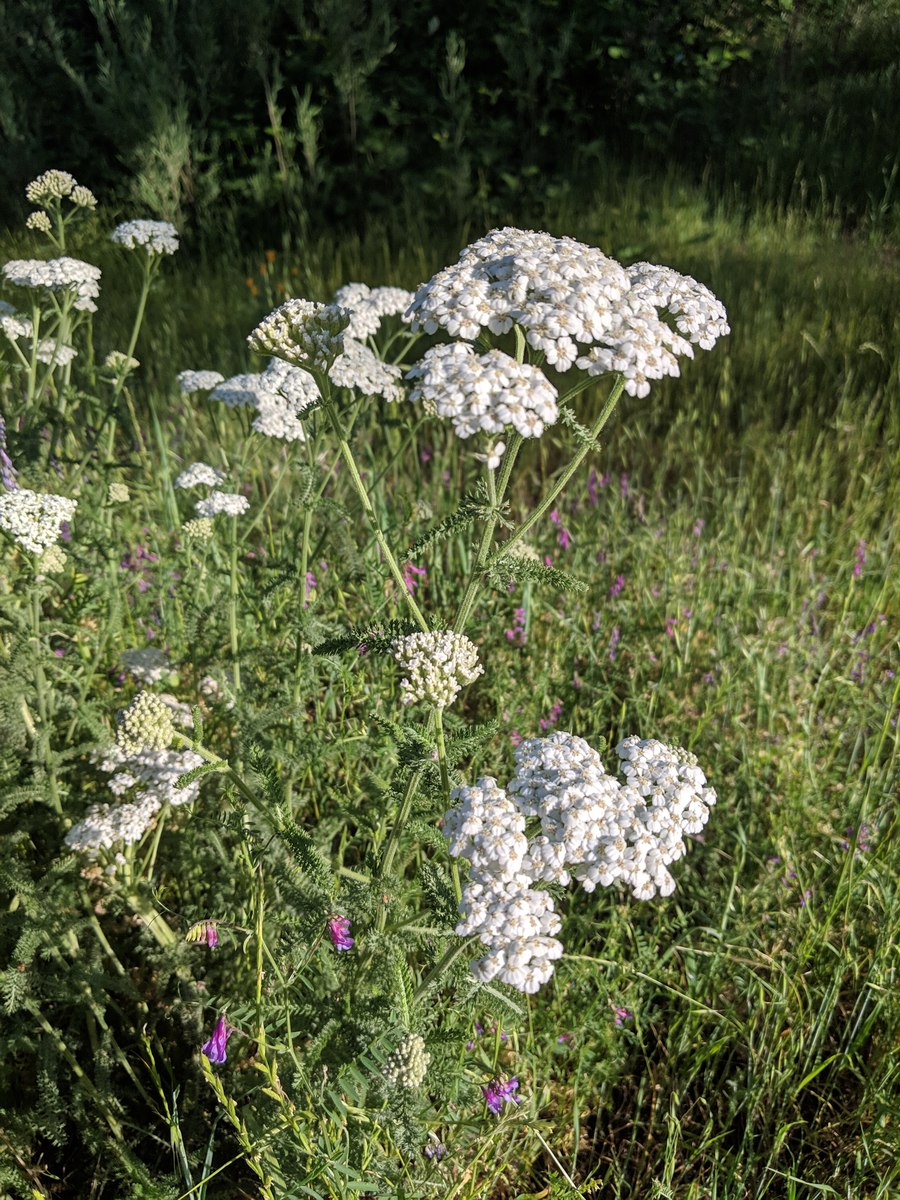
column 190, row 382
column 304, row 333
column 155, row 237
column 53, row 185
column 153, row 774
column 369, row 306
column 484, row 392
column 602, row 830
column 565, row 295
column 48, row 350
column 239, row 391
column 57, row 275
column 230, row 503
column 199, row 474
column 146, row 664
column 33, row 518
column 407, row 1064
column 437, row 665
column 358, row 367
column 513, row 920
column 39, row 222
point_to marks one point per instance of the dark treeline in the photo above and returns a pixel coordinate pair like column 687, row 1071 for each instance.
column 319, row 112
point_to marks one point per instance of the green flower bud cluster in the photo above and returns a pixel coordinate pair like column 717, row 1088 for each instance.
column 407, row 1066
column 146, row 724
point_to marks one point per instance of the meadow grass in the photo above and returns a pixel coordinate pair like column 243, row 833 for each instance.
column 737, row 535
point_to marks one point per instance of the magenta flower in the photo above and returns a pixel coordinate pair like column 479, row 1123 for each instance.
column 860, row 559
column 497, row 1093
column 339, row 932
column 211, row 935
column 617, row 588
column 214, row 1049
column 622, row 1015
column 410, row 571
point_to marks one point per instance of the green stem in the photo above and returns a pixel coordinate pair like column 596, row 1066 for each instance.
column 442, row 755
column 350, row 463
column 468, row 601
column 582, row 453
column 449, row 958
column 232, row 606
column 43, row 700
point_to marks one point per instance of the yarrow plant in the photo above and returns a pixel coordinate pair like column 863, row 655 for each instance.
column 376, row 911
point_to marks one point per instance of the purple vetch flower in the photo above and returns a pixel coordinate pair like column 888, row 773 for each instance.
column 339, row 932
column 214, row 1049
column 497, row 1092
column 552, row 717
column 410, row 570
column 614, row 638
column 698, row 527
column 435, row 1152
column 564, row 539
column 205, row 932
column 621, row 1015
column 310, row 586
column 517, row 633
column 617, row 588
column 859, row 558
column 623, row 484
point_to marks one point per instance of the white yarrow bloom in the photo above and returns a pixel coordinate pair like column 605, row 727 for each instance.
column 601, row 830
column 484, row 392
column 190, row 382
column 493, row 456
column 437, row 665
column 229, row 503
column 199, row 474
column 358, row 367
column 568, row 297
column 303, row 333
column 369, row 306
column 240, row 391
column 33, row 518
column 154, row 237
column 57, row 275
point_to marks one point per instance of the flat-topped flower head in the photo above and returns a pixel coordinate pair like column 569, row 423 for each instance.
column 57, row 275
column 358, row 367
column 146, row 724
column 117, row 363
column 484, row 392
column 231, row 504
column 568, row 297
column 369, row 306
column 33, row 519
column 437, row 665
column 302, row 332
column 199, row 474
column 155, row 238
column 190, row 382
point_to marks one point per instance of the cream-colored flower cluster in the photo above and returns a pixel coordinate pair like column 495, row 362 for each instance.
column 302, row 332
column 437, row 665
column 146, row 724
column 407, row 1064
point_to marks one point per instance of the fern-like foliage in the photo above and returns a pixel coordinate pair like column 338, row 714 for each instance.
column 503, row 567
column 375, row 638
column 474, row 506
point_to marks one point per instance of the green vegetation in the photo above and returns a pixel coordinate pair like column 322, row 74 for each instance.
column 737, row 535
